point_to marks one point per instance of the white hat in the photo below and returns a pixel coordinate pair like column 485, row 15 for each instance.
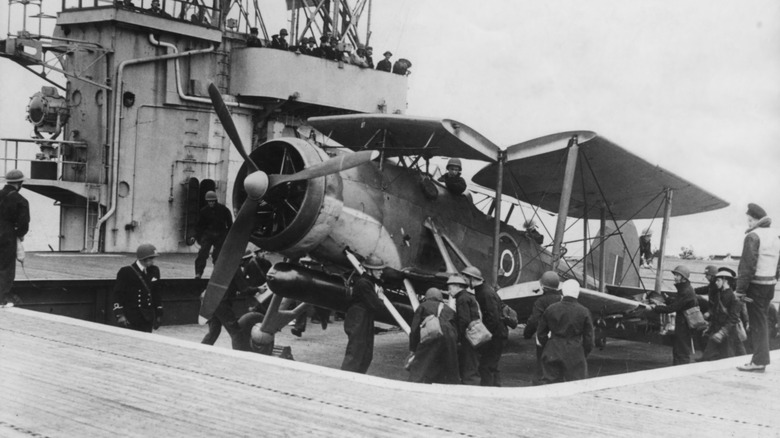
column 570, row 288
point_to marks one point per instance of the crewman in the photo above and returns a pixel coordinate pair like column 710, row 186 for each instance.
column 325, row 50
column 137, row 295
column 645, row 249
column 435, row 361
column 710, row 289
column 402, row 66
column 757, row 274
column 686, row 299
column 223, row 314
column 550, row 294
column 14, row 224
column 214, row 222
column 452, row 179
column 385, row 64
column 490, row 304
column 254, row 40
column 724, row 315
column 571, row 337
column 280, row 42
column 358, row 58
column 156, row 9
column 467, row 310
column 370, row 56
column 359, row 321
column 532, row 232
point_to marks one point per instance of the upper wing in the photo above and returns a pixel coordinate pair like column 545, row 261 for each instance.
column 396, row 135
column 605, row 172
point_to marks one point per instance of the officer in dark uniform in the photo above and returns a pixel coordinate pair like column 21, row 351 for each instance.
column 254, row 40
column 214, row 222
column 467, row 310
column 359, row 320
column 490, row 304
column 452, row 179
column 14, row 223
column 137, row 298
column 550, row 295
column 686, row 299
column 385, row 64
column 571, row 337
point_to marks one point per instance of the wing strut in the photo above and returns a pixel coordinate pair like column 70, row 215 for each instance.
column 440, row 244
column 659, row 273
column 563, row 207
column 390, row 308
column 497, row 229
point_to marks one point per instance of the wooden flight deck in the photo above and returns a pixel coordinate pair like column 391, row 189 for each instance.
column 69, row 378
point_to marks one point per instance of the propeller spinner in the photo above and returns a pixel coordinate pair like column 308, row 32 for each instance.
column 257, row 184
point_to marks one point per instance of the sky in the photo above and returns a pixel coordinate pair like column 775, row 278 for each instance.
column 693, row 86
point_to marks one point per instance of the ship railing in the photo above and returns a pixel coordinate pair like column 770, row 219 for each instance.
column 48, row 165
column 193, row 11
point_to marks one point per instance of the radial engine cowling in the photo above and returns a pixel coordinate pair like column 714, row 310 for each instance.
column 293, row 217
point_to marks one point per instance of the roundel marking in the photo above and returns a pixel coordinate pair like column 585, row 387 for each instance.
column 510, row 262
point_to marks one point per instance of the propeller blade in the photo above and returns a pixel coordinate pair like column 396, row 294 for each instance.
column 227, row 123
column 328, row 167
column 229, row 259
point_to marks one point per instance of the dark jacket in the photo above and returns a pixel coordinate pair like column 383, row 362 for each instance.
column 684, row 300
column 571, row 340
column 384, row 65
column 467, row 311
column 540, row 305
column 215, row 220
column 490, row 304
column 435, row 361
column 359, row 325
column 455, row 184
column 14, row 222
column 724, row 311
column 138, row 299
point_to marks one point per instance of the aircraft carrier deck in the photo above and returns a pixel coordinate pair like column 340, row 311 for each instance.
column 70, row 378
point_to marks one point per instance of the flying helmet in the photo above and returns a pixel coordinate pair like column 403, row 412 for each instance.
column 550, row 280
column 145, row 251
column 373, row 262
column 683, row 271
column 570, row 288
column 473, row 272
column 14, row 176
column 454, row 162
column 211, row 195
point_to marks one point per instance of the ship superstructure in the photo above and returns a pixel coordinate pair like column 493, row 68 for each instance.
column 128, row 145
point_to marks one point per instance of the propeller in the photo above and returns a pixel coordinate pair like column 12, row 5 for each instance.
column 257, row 184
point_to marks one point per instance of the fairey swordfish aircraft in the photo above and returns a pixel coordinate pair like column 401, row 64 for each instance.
column 366, row 189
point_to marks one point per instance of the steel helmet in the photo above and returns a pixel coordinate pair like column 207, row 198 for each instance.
column 647, row 232
column 710, row 270
column 683, row 271
column 570, row 288
column 550, row 280
column 724, row 274
column 14, row 176
column 283, row 32
column 373, row 262
column 454, row 162
column 456, row 279
column 145, row 251
column 211, row 195
column 472, row 271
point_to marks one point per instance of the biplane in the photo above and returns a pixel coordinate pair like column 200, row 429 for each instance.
column 362, row 185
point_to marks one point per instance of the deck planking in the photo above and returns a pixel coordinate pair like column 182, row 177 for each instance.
column 70, row 378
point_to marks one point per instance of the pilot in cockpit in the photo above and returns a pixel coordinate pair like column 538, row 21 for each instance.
column 452, row 179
